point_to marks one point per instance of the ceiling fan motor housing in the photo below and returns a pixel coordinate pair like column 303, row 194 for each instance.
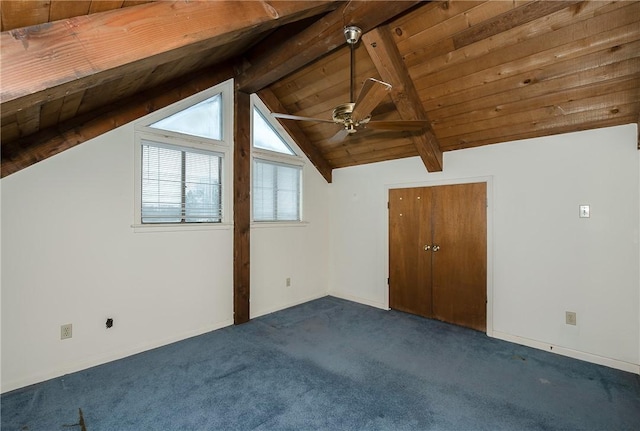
column 342, row 115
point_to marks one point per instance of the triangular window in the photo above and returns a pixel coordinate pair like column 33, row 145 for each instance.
column 266, row 137
column 203, row 119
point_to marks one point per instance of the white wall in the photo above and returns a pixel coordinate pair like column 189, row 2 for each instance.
column 296, row 251
column 544, row 259
column 70, row 255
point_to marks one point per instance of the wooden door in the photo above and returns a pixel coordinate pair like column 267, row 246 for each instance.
column 445, row 280
column 409, row 271
column 459, row 277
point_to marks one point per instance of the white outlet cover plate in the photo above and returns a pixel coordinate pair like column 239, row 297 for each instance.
column 66, row 331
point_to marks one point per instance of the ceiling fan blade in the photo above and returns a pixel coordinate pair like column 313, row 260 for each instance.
column 400, row 125
column 338, row 137
column 372, row 93
column 296, row 117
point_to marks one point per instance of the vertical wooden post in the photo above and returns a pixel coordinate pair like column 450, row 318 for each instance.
column 241, row 206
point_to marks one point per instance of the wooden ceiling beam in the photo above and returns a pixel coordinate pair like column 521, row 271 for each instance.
column 319, row 39
column 387, row 59
column 298, row 135
column 79, row 53
column 27, row 151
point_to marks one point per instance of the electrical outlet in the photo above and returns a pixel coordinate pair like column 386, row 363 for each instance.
column 288, row 282
column 570, row 317
column 66, row 331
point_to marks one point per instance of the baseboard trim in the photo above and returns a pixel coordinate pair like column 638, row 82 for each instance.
column 288, row 305
column 575, row 354
column 359, row 300
column 103, row 359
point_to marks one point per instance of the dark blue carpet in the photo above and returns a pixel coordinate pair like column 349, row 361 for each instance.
column 334, row 365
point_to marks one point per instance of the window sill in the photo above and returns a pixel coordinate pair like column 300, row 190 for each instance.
column 174, row 227
column 277, row 224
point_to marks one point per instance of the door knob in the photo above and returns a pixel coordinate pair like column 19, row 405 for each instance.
column 435, row 248
column 427, row 247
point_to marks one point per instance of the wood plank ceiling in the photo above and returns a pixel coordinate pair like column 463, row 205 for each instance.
column 481, row 72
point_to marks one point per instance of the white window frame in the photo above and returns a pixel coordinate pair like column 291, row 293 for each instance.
column 145, row 133
column 276, row 157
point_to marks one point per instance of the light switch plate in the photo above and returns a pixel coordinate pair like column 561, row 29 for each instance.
column 584, row 211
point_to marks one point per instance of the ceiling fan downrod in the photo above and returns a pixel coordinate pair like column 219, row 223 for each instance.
column 352, row 34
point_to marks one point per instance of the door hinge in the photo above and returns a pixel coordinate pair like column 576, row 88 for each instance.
column 388, row 205
column 387, row 280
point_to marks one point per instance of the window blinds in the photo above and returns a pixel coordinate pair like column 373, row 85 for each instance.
column 276, row 191
column 180, row 185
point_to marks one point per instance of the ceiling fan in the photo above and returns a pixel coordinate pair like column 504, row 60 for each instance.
column 356, row 115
